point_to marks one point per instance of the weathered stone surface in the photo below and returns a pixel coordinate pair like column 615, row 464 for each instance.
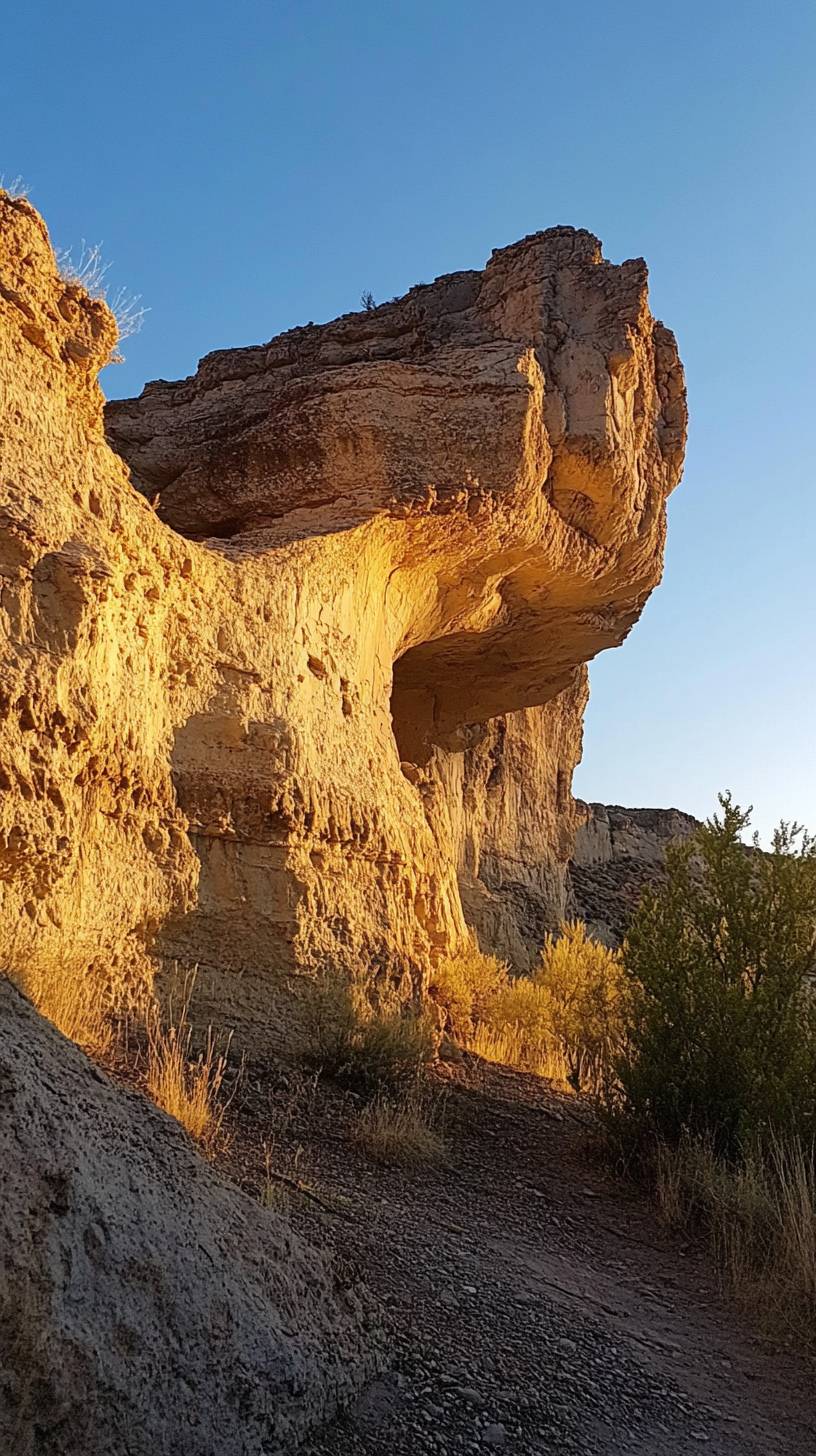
column 324, row 703
column 618, row 853
column 146, row 1306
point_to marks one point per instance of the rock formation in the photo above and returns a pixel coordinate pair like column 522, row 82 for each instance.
column 146, row 1306
column 323, row 703
column 618, row 853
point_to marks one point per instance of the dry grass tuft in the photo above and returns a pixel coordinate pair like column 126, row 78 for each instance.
column 15, row 188
column 90, row 272
column 186, row 1084
column 74, row 1005
column 403, row 1132
column 761, row 1218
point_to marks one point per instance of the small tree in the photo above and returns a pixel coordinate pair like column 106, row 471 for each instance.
column 720, row 1034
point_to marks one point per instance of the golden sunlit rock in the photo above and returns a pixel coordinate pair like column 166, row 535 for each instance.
column 322, row 704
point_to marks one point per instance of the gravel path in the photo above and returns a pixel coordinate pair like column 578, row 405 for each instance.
column 532, row 1304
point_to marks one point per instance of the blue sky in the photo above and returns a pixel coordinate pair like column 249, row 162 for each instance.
column 248, row 167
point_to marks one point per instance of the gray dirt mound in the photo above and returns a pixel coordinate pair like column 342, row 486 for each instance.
column 146, row 1305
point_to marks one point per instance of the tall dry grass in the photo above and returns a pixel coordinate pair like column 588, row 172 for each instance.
column 760, row 1215
column 188, row 1084
column 511, row 1046
column 74, row 1004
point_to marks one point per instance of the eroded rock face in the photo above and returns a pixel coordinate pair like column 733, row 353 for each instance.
column 324, row 702
column 146, row 1306
column 618, row 853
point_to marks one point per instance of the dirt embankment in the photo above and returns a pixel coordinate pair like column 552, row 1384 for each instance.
column 535, row 1305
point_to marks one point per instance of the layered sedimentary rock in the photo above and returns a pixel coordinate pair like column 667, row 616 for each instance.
column 146, row 1306
column 312, row 692
column 618, row 853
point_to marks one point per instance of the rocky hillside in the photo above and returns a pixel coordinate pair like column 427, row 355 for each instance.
column 618, row 852
column 323, row 702
column 145, row 1304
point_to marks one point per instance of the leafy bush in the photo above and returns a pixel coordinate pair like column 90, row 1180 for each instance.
column 361, row 1048
column 720, row 1033
column 581, row 984
column 465, row 986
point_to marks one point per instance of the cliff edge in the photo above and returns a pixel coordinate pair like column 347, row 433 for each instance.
column 322, row 703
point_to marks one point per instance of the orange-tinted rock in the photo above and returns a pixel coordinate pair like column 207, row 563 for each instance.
column 324, row 703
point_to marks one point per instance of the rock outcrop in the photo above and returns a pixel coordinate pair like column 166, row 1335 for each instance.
column 146, row 1306
column 618, row 853
column 322, row 703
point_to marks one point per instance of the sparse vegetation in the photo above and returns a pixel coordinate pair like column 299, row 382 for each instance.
column 187, row 1084
column 761, row 1217
column 367, row 300
column 365, row 1049
column 402, row 1131
column 90, row 271
column 73, row 1003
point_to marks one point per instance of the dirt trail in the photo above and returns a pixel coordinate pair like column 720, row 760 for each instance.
column 534, row 1305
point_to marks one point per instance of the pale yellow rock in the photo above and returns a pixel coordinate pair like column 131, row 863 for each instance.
column 440, row 509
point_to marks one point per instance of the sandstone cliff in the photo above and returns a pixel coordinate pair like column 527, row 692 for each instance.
column 324, row 702
column 618, row 853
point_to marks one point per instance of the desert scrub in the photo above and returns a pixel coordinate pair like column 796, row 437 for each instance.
column 719, row 1035
column 365, row 1049
column 760, row 1215
column 464, row 986
column 563, row 1022
column 188, row 1084
column 583, row 990
column 403, row 1131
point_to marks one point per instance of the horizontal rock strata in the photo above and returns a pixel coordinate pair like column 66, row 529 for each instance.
column 312, row 692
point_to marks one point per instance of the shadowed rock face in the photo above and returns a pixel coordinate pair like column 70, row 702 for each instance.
column 618, row 854
column 146, row 1306
column 324, row 702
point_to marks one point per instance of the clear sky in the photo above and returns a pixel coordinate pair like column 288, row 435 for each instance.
column 251, row 166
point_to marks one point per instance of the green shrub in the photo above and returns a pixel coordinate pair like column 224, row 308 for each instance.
column 361, row 1048
column 720, row 1016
